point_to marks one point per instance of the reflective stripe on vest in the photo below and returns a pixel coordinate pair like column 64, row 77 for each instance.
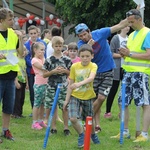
column 137, row 64
column 8, row 51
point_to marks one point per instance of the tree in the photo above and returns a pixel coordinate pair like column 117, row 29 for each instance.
column 95, row 13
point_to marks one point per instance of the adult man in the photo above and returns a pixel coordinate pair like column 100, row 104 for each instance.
column 10, row 44
column 103, row 59
column 137, row 71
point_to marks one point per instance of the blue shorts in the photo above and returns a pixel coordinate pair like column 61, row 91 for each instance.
column 137, row 88
column 7, row 95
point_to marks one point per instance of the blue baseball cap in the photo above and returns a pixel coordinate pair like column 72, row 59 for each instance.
column 80, row 28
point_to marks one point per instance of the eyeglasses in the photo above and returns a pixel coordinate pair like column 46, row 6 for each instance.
column 130, row 13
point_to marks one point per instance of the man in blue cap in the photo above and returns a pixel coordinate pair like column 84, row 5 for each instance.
column 103, row 58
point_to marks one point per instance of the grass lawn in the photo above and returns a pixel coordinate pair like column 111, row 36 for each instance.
column 29, row 139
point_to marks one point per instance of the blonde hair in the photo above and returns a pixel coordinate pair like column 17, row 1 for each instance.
column 57, row 40
column 4, row 12
column 34, row 46
column 32, row 27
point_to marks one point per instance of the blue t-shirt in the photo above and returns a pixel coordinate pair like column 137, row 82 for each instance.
column 102, row 53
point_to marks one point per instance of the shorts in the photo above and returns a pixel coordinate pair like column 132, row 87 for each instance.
column 137, row 88
column 75, row 110
column 7, row 95
column 39, row 95
column 50, row 94
column 103, row 83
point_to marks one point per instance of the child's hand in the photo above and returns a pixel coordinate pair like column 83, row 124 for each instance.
column 74, row 86
column 60, row 70
column 18, row 86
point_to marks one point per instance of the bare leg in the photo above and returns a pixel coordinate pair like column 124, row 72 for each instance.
column 5, row 120
column 35, row 113
column 146, row 118
column 76, row 125
column 65, row 118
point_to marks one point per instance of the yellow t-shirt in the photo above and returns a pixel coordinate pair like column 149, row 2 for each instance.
column 79, row 73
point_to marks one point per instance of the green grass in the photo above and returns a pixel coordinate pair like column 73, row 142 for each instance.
column 28, row 139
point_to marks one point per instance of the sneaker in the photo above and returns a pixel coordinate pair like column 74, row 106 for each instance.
column 7, row 134
column 107, row 115
column 141, row 138
column 66, row 132
column 97, row 129
column 125, row 135
column 95, row 139
column 81, row 140
column 42, row 124
column 53, row 131
column 36, row 126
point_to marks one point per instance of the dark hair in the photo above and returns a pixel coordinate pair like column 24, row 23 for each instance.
column 134, row 12
column 44, row 32
column 56, row 31
column 86, row 47
column 35, row 45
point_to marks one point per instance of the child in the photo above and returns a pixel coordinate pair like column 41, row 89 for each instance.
column 21, row 83
column 73, row 52
column 57, row 70
column 38, row 50
column 80, row 92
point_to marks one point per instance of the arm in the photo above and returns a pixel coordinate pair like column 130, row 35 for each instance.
column 20, row 49
column 87, row 80
column 18, row 86
column 68, row 95
column 57, row 70
column 144, row 56
column 119, row 26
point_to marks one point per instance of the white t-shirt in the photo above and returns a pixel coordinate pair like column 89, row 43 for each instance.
column 123, row 43
column 49, row 50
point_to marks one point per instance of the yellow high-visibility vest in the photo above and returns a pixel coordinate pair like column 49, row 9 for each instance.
column 6, row 47
column 135, row 45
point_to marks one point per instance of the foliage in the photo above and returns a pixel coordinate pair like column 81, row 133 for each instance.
column 96, row 13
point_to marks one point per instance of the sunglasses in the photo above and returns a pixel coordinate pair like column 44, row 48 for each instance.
column 130, row 13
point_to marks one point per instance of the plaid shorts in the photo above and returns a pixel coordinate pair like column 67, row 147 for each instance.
column 39, row 95
column 80, row 108
column 103, row 83
column 50, row 94
column 137, row 88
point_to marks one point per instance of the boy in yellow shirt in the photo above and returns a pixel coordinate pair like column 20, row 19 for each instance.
column 80, row 92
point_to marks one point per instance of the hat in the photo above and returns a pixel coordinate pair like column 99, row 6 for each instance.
column 80, row 28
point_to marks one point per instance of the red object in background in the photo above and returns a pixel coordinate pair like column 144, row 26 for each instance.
column 50, row 22
column 31, row 17
column 88, row 133
column 21, row 24
column 38, row 22
column 47, row 19
column 58, row 24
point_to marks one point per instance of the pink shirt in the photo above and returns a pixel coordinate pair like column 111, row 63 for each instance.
column 77, row 59
column 38, row 73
